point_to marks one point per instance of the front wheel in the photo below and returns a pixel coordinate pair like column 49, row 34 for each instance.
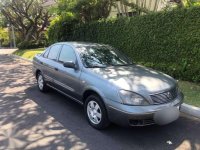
column 41, row 83
column 96, row 113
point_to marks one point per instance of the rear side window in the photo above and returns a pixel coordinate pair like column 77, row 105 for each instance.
column 67, row 54
column 54, row 52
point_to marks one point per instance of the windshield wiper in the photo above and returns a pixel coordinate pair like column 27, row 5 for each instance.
column 123, row 65
column 96, row 66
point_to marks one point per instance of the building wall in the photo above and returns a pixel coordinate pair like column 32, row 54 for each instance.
column 152, row 5
column 48, row 3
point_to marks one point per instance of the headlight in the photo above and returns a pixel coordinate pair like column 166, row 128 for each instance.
column 130, row 98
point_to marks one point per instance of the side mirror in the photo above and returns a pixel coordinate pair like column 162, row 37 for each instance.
column 70, row 64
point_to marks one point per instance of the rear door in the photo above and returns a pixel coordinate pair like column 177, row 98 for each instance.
column 51, row 63
column 68, row 78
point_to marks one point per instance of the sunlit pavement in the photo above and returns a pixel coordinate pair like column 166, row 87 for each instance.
column 6, row 51
column 33, row 120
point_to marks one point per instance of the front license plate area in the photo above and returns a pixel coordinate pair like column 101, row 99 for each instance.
column 167, row 115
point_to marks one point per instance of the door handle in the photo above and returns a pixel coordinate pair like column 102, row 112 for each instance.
column 56, row 69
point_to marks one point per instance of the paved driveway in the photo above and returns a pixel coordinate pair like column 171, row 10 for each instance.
column 6, row 51
column 33, row 120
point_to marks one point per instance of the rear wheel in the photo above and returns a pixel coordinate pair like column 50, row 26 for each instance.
column 96, row 113
column 41, row 83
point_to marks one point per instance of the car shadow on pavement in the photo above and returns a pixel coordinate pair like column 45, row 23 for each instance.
column 182, row 134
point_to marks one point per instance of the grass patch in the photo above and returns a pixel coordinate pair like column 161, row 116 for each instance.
column 191, row 92
column 28, row 53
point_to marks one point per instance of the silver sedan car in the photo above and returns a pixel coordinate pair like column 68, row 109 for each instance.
column 108, row 84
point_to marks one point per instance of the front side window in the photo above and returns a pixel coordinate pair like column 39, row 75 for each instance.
column 46, row 53
column 102, row 56
column 54, row 52
column 67, row 54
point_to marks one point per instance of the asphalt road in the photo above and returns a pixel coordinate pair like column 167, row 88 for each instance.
column 33, row 120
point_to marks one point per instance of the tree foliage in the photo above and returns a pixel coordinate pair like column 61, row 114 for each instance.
column 86, row 10
column 190, row 3
column 61, row 27
column 89, row 10
column 4, row 37
column 27, row 16
column 65, row 6
column 3, row 22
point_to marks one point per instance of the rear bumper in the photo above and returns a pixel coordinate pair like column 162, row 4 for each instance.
column 138, row 115
column 34, row 70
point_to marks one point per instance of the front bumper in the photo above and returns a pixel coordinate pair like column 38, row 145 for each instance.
column 138, row 115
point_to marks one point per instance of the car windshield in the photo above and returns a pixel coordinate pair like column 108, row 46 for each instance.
column 102, row 56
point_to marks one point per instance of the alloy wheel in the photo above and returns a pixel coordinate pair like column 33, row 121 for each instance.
column 40, row 82
column 94, row 112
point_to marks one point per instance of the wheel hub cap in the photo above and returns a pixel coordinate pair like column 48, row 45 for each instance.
column 94, row 112
column 40, row 82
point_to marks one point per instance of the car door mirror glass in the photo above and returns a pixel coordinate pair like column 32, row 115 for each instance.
column 69, row 64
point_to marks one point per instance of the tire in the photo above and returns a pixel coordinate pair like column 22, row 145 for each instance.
column 95, row 112
column 41, row 83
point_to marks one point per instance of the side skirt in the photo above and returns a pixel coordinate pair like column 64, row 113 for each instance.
column 65, row 94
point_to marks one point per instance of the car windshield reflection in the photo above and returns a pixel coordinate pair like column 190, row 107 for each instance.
column 102, row 56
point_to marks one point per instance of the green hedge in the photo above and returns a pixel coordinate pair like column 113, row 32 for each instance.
column 167, row 41
column 61, row 27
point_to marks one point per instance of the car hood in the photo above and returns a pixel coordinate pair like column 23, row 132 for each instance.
column 136, row 78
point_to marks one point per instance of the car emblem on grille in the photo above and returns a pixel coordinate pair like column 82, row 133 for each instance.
column 169, row 95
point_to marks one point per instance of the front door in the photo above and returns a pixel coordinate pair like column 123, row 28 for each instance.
column 68, row 78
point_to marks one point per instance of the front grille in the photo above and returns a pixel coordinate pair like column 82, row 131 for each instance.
column 165, row 97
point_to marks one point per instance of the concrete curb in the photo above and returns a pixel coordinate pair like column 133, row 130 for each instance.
column 190, row 110
column 13, row 55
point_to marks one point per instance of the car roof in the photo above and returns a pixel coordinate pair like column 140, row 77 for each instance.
column 79, row 44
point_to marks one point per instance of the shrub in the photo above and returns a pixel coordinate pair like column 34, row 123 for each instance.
column 31, row 44
column 167, row 41
column 61, row 27
column 4, row 37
